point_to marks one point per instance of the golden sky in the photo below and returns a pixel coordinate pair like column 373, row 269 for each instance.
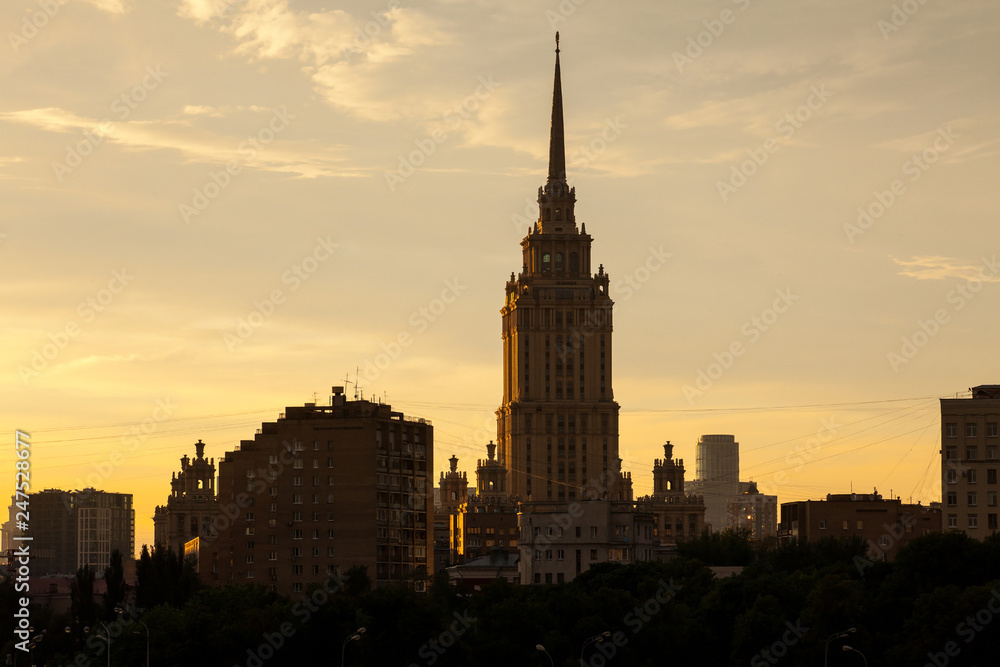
column 213, row 209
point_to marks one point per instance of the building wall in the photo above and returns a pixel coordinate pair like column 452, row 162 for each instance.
column 887, row 525
column 755, row 512
column 969, row 461
column 322, row 489
column 191, row 510
column 717, row 476
column 559, row 541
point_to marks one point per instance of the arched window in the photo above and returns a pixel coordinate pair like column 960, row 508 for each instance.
column 454, row 495
column 559, row 262
column 574, row 263
column 670, row 485
column 546, row 262
column 558, row 214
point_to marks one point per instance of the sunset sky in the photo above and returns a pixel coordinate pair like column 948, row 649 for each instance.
column 211, row 210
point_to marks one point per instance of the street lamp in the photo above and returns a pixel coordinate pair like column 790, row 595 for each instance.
column 357, row 635
column 107, row 639
column 848, row 649
column 146, row 627
column 596, row 639
column 539, row 647
column 836, row 635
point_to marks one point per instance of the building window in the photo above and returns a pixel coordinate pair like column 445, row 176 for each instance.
column 973, row 521
column 991, row 521
column 296, row 481
column 548, row 577
column 953, row 521
column 548, row 554
column 991, row 429
column 991, row 498
column 991, row 475
column 593, row 532
column 296, row 569
column 538, row 554
column 593, row 554
column 952, row 499
column 297, row 464
column 296, row 534
column 538, row 577
column 273, row 555
column 822, row 524
column 883, row 541
column 972, row 498
column 546, row 262
column 561, row 554
column 297, row 587
column 970, row 476
column 951, row 476
column 970, row 453
column 970, row 430
column 845, row 524
column 861, row 524
column 991, row 452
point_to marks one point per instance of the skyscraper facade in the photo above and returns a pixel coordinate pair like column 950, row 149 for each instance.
column 557, row 428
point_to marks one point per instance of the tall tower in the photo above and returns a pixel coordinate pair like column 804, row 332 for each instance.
column 557, row 428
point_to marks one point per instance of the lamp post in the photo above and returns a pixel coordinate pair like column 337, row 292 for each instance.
column 539, row 647
column 107, row 639
column 357, row 635
column 146, row 628
column 836, row 635
column 849, row 649
column 596, row 639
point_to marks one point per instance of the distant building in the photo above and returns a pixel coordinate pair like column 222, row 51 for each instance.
column 74, row 529
column 490, row 516
column 755, row 512
column 191, row 508
column 886, row 525
column 717, row 477
column 677, row 515
column 323, row 489
column 969, row 461
column 452, row 494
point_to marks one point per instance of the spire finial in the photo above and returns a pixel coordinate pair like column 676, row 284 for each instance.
column 557, row 149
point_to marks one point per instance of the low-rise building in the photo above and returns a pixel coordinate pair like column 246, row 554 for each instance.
column 560, row 540
column 886, row 524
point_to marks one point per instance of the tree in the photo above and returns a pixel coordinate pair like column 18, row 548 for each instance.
column 114, row 579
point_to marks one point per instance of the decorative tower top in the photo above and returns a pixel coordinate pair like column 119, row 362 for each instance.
column 668, row 451
column 557, row 143
column 199, row 448
column 556, row 199
column 454, row 463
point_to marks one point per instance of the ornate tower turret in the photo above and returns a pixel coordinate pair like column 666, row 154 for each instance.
column 557, row 428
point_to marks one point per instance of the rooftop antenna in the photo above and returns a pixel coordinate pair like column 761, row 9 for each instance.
column 347, row 381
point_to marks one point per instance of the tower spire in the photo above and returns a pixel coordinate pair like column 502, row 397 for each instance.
column 557, row 147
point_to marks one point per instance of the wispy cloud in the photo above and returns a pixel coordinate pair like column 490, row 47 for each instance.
column 941, row 268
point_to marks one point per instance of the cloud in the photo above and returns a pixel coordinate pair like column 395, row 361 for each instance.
column 193, row 144
column 940, row 268
column 110, row 6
